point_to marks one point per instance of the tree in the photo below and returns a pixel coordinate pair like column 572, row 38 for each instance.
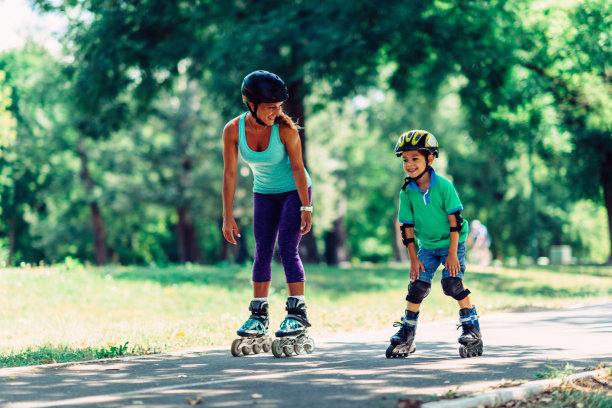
column 34, row 83
column 7, row 137
column 567, row 51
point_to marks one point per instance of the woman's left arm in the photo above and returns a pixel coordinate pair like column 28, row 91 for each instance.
column 291, row 140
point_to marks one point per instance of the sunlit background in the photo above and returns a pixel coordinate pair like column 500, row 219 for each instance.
column 111, row 119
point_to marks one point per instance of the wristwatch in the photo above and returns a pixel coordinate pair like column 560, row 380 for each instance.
column 306, row 208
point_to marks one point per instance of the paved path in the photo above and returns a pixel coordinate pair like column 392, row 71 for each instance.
column 348, row 371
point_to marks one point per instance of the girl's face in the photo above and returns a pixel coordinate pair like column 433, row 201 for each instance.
column 268, row 112
column 415, row 163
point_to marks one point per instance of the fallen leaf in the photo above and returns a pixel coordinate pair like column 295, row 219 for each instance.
column 197, row 401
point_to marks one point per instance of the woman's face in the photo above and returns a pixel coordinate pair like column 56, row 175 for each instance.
column 267, row 112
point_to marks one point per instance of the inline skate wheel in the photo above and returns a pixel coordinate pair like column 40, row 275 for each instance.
column 235, row 349
column 464, row 352
column 288, row 350
column 298, row 348
column 389, row 352
column 246, row 350
column 309, row 346
column 266, row 346
column 256, row 348
column 277, row 348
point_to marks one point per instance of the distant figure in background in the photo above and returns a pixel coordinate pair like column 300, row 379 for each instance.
column 478, row 243
column 268, row 141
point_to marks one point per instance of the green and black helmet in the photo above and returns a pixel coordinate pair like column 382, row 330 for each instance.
column 417, row 140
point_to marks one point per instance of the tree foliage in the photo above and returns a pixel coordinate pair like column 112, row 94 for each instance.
column 517, row 92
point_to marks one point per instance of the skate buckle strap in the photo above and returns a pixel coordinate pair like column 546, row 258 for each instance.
column 405, row 321
column 290, row 324
column 469, row 319
column 298, row 318
column 254, row 324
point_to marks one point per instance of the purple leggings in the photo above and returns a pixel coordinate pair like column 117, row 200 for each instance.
column 277, row 215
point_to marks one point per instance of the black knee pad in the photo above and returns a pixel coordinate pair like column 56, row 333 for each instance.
column 417, row 291
column 453, row 287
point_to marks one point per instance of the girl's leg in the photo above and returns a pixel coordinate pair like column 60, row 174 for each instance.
column 266, row 218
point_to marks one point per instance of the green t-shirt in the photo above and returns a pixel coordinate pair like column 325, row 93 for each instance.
column 428, row 211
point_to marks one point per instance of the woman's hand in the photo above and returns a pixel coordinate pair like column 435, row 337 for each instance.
column 306, row 222
column 229, row 229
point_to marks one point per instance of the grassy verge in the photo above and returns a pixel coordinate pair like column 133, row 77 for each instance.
column 57, row 314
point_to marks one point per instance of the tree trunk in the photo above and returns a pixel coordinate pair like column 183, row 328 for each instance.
column 99, row 234
column 336, row 250
column 12, row 233
column 606, row 181
column 99, row 230
column 189, row 250
column 294, row 107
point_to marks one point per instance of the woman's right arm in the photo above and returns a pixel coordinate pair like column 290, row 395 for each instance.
column 230, row 171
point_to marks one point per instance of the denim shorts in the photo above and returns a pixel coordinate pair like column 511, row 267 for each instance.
column 432, row 258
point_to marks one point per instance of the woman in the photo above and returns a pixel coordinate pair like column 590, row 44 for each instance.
column 269, row 143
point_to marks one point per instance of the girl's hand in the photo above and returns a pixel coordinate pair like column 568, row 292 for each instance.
column 229, row 229
column 306, row 222
column 452, row 264
column 415, row 269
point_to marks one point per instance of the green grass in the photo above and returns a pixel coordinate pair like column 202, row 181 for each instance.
column 550, row 371
column 69, row 313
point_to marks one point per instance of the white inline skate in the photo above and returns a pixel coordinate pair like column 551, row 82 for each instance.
column 254, row 332
column 292, row 337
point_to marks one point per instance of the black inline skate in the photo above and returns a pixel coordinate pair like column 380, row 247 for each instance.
column 402, row 342
column 292, row 337
column 254, row 332
column 471, row 338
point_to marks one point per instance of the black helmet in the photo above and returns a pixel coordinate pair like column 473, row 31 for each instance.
column 263, row 87
column 417, row 140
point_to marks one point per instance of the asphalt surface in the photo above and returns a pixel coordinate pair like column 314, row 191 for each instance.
column 344, row 371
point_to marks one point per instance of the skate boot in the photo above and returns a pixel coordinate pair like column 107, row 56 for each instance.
column 470, row 339
column 402, row 342
column 254, row 332
column 292, row 337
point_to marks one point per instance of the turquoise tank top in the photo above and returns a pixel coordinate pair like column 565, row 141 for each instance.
column 271, row 168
